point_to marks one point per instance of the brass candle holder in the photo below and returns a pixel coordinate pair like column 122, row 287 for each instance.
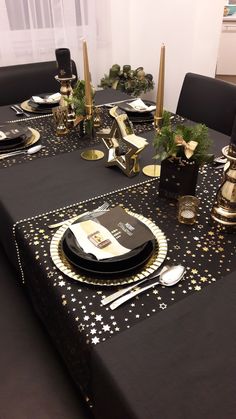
column 90, row 154
column 154, row 170
column 224, row 210
column 66, row 91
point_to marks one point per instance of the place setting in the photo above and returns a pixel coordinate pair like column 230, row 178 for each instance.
column 108, row 247
column 16, row 139
column 139, row 110
column 41, row 104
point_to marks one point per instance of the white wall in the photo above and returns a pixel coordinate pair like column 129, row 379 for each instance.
column 190, row 30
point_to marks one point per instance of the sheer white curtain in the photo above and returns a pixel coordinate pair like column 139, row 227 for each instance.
column 31, row 30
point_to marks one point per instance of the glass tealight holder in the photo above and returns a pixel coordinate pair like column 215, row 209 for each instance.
column 60, row 114
column 188, row 209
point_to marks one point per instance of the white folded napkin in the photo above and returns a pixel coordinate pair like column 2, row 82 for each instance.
column 96, row 239
column 48, row 99
column 140, row 106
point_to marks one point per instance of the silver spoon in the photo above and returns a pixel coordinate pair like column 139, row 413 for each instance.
column 168, row 278
column 122, row 291
column 30, row 151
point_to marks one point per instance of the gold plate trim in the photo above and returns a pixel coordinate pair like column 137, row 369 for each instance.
column 68, row 269
column 26, row 107
column 32, row 140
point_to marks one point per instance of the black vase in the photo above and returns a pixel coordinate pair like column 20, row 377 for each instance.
column 178, row 177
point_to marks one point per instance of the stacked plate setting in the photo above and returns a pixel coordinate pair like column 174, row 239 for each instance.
column 13, row 136
column 43, row 103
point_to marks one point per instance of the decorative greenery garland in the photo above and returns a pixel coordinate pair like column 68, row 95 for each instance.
column 133, row 82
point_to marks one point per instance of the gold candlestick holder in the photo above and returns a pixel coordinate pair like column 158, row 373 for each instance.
column 224, row 210
column 66, row 91
column 154, row 170
column 158, row 122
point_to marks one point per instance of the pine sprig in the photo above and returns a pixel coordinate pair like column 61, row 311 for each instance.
column 165, row 144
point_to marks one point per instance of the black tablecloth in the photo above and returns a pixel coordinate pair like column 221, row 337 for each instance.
column 180, row 364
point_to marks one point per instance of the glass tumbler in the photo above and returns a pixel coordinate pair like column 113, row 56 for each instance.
column 188, row 208
column 60, row 114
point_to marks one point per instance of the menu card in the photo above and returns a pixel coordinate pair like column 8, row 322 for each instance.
column 113, row 234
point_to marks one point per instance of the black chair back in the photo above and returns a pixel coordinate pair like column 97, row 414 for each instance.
column 208, row 101
column 20, row 82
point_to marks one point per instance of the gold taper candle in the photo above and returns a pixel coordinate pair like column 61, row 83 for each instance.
column 88, row 98
column 160, row 88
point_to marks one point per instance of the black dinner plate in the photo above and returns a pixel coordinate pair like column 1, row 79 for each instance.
column 112, row 266
column 137, row 119
column 17, row 136
column 129, row 110
column 42, row 107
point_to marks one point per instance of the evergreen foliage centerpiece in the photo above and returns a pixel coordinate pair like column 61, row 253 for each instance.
column 181, row 149
column 133, row 82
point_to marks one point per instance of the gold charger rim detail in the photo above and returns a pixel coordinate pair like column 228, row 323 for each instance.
column 26, row 107
column 157, row 258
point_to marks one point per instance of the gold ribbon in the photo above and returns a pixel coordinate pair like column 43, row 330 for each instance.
column 188, row 147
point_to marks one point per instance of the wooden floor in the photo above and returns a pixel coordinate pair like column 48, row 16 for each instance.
column 230, row 79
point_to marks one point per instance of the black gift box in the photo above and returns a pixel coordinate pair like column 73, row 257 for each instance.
column 178, row 177
column 64, row 64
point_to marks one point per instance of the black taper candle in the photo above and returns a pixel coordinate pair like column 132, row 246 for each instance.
column 64, row 64
column 232, row 146
column 233, row 133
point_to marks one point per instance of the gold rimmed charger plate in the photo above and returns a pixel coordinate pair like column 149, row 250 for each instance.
column 157, row 258
column 32, row 140
column 26, row 107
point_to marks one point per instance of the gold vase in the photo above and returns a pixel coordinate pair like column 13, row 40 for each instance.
column 224, row 210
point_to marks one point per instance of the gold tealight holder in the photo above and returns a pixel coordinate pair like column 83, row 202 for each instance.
column 60, row 114
column 187, row 209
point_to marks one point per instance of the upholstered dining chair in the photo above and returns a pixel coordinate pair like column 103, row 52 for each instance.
column 209, row 101
column 20, row 82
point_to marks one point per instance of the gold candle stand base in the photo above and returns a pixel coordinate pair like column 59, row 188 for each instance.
column 66, row 91
column 92, row 155
column 224, row 210
column 153, row 170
